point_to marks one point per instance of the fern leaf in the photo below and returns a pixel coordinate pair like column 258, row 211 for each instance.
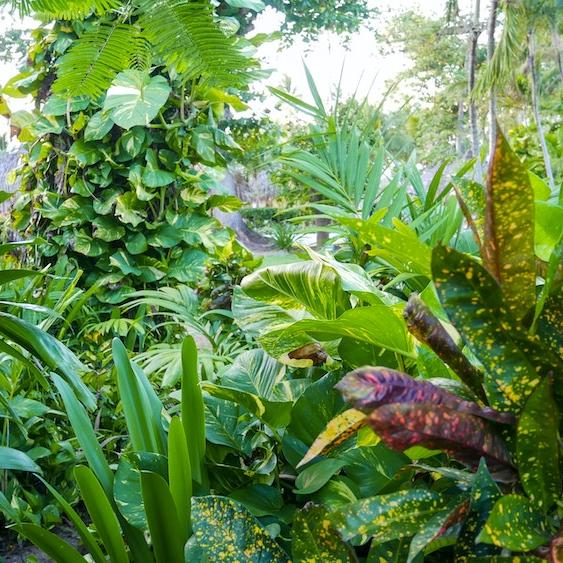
column 187, row 39
column 95, row 59
column 71, row 9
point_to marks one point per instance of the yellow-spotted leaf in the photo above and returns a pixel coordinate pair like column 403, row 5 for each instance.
column 513, row 524
column 537, row 449
column 336, row 432
column 315, row 539
column 509, row 229
column 388, row 517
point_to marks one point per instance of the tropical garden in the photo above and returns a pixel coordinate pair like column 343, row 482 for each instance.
column 330, row 336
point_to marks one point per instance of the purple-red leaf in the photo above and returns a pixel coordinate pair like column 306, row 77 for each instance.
column 372, row 387
column 463, row 436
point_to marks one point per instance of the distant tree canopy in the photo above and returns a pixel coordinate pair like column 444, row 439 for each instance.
column 307, row 18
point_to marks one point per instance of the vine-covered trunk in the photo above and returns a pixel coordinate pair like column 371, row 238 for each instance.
column 536, row 108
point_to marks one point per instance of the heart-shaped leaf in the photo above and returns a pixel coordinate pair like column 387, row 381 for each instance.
column 135, row 98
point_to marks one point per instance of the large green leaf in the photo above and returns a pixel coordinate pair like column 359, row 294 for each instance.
column 53, row 546
column 180, row 475
column 513, row 524
column 484, row 494
column 50, row 351
column 86, row 436
column 225, row 530
column 192, row 408
column 537, row 447
column 314, row 538
column 162, row 517
column 141, row 406
column 254, row 381
column 473, row 301
column 102, row 514
column 15, row 460
column 312, row 286
column 509, row 229
column 135, row 98
column 315, row 408
column 388, row 517
column 127, row 485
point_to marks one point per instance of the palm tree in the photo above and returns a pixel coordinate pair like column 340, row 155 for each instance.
column 523, row 19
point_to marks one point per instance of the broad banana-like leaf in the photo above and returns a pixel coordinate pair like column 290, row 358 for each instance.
column 373, row 387
column 464, row 436
column 312, row 286
column 509, row 229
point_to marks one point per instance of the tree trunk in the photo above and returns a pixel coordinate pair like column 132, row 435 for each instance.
column 536, row 108
column 459, row 136
column 556, row 40
column 471, row 71
column 491, row 27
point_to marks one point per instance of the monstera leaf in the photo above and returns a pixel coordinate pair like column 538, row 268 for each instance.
column 135, row 98
column 225, row 531
column 370, row 388
column 465, row 437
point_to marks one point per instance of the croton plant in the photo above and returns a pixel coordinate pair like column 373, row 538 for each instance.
column 500, row 428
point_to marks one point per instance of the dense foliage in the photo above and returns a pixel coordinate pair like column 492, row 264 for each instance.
column 392, row 394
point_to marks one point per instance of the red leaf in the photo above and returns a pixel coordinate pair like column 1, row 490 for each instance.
column 372, row 387
column 463, row 436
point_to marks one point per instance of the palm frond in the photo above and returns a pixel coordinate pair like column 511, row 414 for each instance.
column 95, row 59
column 510, row 48
column 187, row 39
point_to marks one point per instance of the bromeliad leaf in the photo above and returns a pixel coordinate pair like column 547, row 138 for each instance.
column 224, row 529
column 465, row 437
column 369, row 388
column 337, row 431
column 315, row 539
column 513, row 524
column 388, row 517
column 537, row 450
column 509, row 229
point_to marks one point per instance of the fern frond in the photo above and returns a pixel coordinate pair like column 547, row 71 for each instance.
column 187, row 39
column 72, row 9
column 95, row 59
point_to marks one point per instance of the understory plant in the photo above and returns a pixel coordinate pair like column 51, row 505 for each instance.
column 498, row 426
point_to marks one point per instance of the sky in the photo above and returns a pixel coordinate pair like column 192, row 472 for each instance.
column 365, row 69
